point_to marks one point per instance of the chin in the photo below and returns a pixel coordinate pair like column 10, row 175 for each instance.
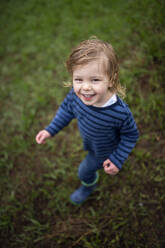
column 86, row 103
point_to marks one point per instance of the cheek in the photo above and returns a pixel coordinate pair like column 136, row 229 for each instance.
column 101, row 89
column 76, row 87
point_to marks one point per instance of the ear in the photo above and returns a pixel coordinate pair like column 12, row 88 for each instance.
column 110, row 84
column 112, row 80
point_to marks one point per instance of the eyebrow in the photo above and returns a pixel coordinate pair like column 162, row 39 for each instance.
column 95, row 76
column 76, row 76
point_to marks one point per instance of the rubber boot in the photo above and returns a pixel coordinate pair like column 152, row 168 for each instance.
column 83, row 192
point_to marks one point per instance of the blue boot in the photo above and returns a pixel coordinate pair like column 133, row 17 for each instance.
column 81, row 194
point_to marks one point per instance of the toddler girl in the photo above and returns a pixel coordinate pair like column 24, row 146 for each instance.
column 105, row 122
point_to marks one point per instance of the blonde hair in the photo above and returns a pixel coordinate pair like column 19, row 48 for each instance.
column 93, row 49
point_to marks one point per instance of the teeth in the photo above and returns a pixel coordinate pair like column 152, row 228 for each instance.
column 86, row 95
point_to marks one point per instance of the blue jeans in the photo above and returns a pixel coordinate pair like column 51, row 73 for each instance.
column 88, row 167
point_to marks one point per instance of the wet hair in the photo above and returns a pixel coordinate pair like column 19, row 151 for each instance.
column 94, row 49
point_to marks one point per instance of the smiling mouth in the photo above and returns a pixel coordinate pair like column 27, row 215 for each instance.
column 88, row 97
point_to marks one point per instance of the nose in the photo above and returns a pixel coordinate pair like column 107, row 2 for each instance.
column 87, row 86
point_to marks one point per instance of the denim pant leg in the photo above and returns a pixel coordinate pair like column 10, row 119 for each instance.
column 87, row 169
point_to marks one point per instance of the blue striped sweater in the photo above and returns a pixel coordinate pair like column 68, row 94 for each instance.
column 109, row 132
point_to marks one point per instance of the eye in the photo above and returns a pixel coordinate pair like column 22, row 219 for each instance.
column 78, row 80
column 95, row 80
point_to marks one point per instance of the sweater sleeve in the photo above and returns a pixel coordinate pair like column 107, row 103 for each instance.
column 63, row 116
column 128, row 137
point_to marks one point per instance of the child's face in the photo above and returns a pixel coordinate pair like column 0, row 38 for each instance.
column 91, row 84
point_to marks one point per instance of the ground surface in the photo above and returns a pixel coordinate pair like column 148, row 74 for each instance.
column 35, row 181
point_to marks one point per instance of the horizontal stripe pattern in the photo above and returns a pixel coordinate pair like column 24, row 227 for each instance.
column 109, row 132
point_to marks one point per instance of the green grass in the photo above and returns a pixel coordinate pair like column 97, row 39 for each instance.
column 35, row 181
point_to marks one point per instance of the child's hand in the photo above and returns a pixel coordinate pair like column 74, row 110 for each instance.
column 110, row 168
column 42, row 136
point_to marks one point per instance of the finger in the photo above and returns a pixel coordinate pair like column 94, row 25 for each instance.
column 38, row 135
column 39, row 138
column 109, row 171
column 42, row 139
column 106, row 164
